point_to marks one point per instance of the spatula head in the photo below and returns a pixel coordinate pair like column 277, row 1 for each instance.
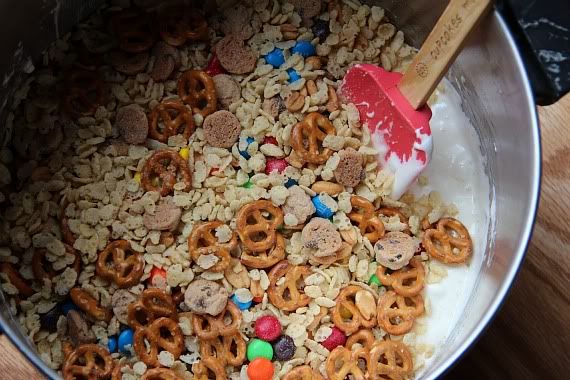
column 401, row 134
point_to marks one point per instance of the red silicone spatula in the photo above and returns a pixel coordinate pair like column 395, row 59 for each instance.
column 394, row 105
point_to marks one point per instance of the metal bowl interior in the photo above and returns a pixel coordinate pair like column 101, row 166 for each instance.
column 497, row 98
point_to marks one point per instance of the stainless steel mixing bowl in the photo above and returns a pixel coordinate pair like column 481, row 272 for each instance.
column 490, row 76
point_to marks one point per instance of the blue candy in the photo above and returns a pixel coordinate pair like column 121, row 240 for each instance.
column 67, row 306
column 239, row 304
column 125, row 339
column 293, row 75
column 322, row 211
column 112, row 344
column 304, row 48
column 290, row 182
column 275, row 58
column 244, row 153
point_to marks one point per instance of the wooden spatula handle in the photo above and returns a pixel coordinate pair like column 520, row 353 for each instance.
column 440, row 49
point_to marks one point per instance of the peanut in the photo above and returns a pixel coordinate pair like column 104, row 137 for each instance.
column 349, row 236
column 289, row 31
column 314, row 61
column 332, row 104
column 330, row 188
column 295, row 102
column 365, row 303
column 311, row 87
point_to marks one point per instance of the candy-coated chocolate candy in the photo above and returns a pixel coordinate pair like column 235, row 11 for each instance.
column 293, row 75
column 260, row 369
column 322, row 211
column 284, row 348
column 248, row 184
column 374, row 280
column 270, row 140
column 275, row 58
column 112, row 344
column 241, row 305
column 290, row 182
column 337, row 338
column 67, row 306
column 304, row 48
column 244, row 152
column 321, row 29
column 125, row 339
column 214, row 67
column 184, row 153
column 275, row 164
column 267, row 328
column 258, row 348
column 157, row 277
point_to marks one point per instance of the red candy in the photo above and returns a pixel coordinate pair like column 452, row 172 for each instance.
column 267, row 328
column 337, row 338
column 257, row 299
column 260, row 369
column 214, row 67
column 275, row 164
column 270, row 140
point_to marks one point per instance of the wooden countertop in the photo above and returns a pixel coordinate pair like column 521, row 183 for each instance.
column 530, row 338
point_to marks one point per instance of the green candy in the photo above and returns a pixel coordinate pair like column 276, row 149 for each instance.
column 259, row 348
column 374, row 280
column 248, row 184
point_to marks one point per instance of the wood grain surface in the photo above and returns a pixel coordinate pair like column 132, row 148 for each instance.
column 530, row 338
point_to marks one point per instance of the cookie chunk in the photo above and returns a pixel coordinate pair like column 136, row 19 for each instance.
column 306, row 8
column 120, row 302
column 237, row 22
column 129, row 64
column 132, row 124
column 298, row 203
column 206, row 297
column 166, row 59
column 221, row 129
column 166, row 217
column 78, row 330
column 321, row 236
column 395, row 250
column 349, row 169
column 227, row 89
column 235, row 56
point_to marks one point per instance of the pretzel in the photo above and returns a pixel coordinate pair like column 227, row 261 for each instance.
column 196, row 88
column 88, row 361
column 449, row 243
column 89, row 305
column 160, row 374
column 390, row 360
column 154, row 303
column 398, row 320
column 346, row 315
column 230, row 349
column 133, row 30
column 24, row 289
column 66, row 235
column 163, row 334
column 208, row 368
column 225, row 324
column 84, row 92
column 390, row 212
column 342, row 362
column 119, row 263
column 363, row 337
column 175, row 117
column 303, row 372
column 43, row 269
column 369, row 224
column 308, row 134
column 160, row 172
column 202, row 241
column 117, row 373
column 265, row 259
column 407, row 282
column 287, row 296
column 177, row 25
column 257, row 231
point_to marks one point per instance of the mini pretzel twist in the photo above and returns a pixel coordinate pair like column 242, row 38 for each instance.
column 205, row 366
column 391, row 212
column 88, row 361
column 24, row 289
column 449, row 243
column 395, row 315
column 175, row 117
column 390, row 360
column 265, row 259
column 257, row 231
column 407, row 282
column 342, row 362
column 196, row 88
column 202, row 241
column 84, row 92
column 160, row 374
column 178, row 25
column 161, row 170
column 154, row 303
column 363, row 337
column 225, row 324
column 307, row 137
column 345, row 313
column 163, row 334
column 286, row 295
column 89, row 305
column 119, row 263
column 366, row 220
column 117, row 373
column 303, row 372
column 133, row 30
column 230, row 349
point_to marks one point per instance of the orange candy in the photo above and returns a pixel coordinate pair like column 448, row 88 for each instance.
column 260, row 369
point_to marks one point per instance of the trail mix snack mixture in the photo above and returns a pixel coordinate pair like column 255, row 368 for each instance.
column 187, row 197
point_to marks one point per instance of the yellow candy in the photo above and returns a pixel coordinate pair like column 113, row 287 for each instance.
column 184, row 153
column 137, row 177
